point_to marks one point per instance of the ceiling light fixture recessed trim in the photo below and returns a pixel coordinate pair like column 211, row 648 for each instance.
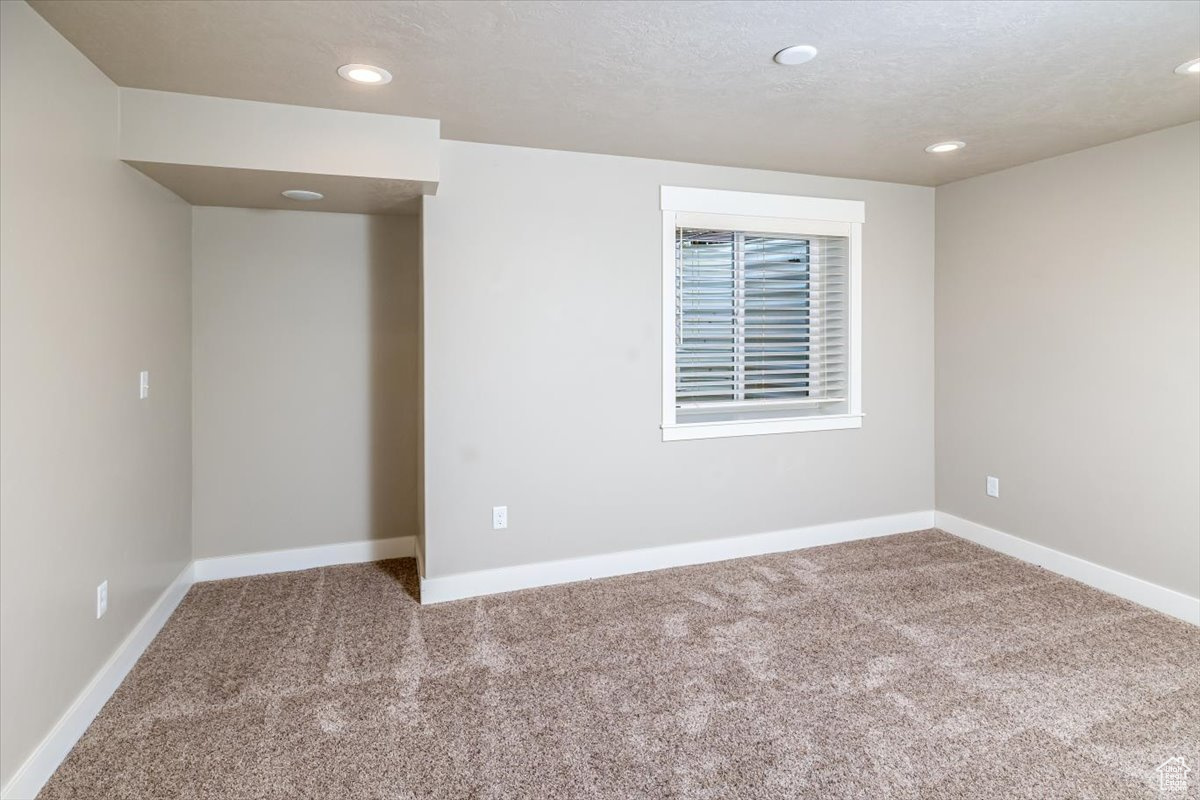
column 365, row 74
column 303, row 195
column 796, row 54
column 945, row 147
column 1189, row 67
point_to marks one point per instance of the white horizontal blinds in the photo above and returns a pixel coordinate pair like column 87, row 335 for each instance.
column 708, row 368
column 760, row 319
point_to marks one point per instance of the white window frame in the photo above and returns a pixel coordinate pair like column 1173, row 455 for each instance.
column 771, row 213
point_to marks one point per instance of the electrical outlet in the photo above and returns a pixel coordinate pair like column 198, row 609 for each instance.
column 144, row 384
column 499, row 518
column 101, row 599
column 993, row 486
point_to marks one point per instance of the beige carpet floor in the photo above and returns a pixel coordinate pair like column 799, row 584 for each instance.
column 913, row 666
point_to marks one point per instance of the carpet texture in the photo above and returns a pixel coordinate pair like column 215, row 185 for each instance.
column 912, row 666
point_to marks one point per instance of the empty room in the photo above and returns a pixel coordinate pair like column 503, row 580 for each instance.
column 608, row 400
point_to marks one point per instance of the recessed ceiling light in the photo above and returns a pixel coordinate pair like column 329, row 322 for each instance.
column 365, row 73
column 302, row 194
column 945, row 147
column 1189, row 67
column 796, row 54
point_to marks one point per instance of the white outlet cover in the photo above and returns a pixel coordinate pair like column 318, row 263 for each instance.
column 993, row 486
column 144, row 384
column 101, row 599
column 499, row 518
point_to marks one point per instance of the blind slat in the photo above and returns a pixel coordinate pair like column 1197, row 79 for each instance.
column 760, row 319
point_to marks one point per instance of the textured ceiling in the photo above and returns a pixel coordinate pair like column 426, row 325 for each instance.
column 690, row 81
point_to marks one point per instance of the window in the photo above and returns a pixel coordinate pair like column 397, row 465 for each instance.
column 760, row 313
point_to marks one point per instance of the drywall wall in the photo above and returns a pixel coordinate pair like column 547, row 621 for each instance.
column 542, row 307
column 1068, row 353
column 174, row 128
column 305, row 342
column 420, row 398
column 94, row 287
column 215, row 151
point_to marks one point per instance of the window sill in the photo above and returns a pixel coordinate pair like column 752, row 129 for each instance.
column 757, row 427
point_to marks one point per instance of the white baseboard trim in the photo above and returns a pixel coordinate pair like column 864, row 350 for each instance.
column 241, row 566
column 45, row 759
column 1142, row 592
column 548, row 573
column 41, row 764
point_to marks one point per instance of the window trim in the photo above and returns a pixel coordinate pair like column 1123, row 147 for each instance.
column 742, row 211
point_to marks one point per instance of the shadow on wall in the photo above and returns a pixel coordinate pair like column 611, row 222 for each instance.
column 393, row 395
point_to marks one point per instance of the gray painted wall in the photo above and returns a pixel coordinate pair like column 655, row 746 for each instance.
column 1073, row 281
column 542, row 297
column 1068, row 353
column 93, row 288
column 305, row 344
